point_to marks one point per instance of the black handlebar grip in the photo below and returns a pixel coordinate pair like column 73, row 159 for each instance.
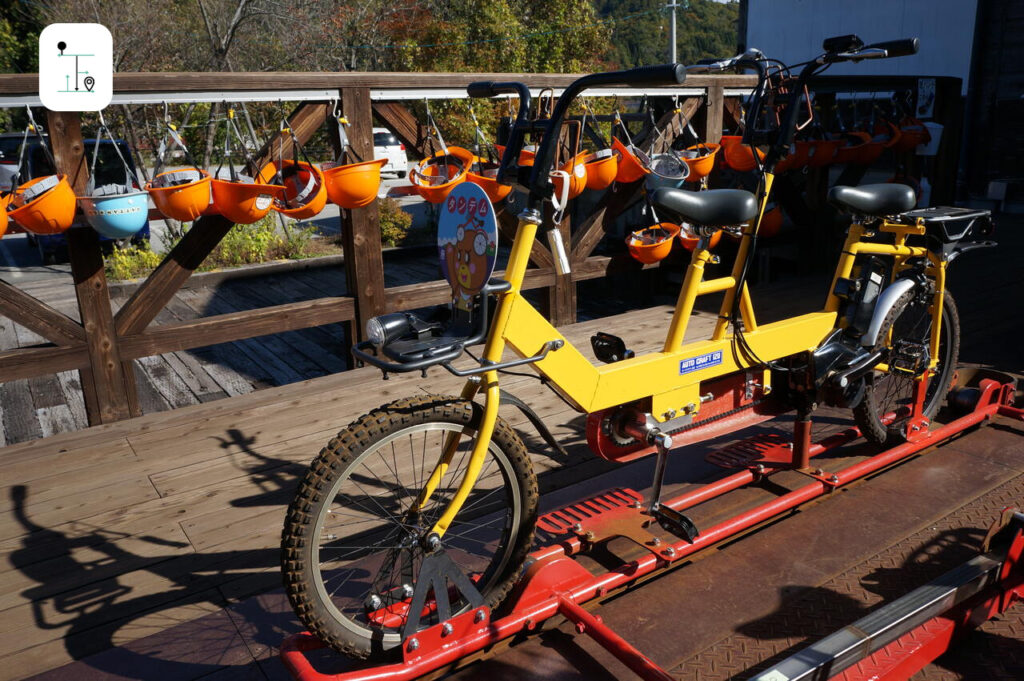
column 661, row 74
column 898, row 48
column 481, row 88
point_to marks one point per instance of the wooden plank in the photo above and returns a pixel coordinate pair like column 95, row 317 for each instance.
column 28, row 83
column 111, row 396
column 177, row 266
column 233, row 326
column 405, row 126
column 36, row 315
column 364, row 265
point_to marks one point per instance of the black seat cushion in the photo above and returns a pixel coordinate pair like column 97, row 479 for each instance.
column 712, row 208
column 873, row 199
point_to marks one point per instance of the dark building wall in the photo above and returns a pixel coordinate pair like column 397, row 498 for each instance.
column 995, row 108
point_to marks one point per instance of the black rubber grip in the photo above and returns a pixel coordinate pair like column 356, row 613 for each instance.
column 661, row 74
column 898, row 48
column 481, row 88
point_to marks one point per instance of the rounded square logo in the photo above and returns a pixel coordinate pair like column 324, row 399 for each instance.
column 76, row 67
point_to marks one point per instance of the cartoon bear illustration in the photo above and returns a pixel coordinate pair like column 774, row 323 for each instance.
column 468, row 261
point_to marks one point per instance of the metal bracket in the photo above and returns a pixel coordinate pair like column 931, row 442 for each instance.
column 435, row 572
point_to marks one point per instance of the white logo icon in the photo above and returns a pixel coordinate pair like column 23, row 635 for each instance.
column 76, row 71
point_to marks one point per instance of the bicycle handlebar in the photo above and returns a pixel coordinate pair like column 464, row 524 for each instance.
column 898, row 48
column 539, row 184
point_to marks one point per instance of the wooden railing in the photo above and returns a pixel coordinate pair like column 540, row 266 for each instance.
column 103, row 345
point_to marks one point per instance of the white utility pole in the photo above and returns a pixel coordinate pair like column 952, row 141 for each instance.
column 673, row 4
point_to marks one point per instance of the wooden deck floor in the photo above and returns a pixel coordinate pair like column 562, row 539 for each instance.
column 111, row 533
column 116, row 532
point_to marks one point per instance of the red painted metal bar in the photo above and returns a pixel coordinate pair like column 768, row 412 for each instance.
column 555, row 577
column 591, row 625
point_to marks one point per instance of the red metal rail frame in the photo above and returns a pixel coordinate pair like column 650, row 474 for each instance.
column 555, row 584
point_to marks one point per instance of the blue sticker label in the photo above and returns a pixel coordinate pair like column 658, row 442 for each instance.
column 700, row 362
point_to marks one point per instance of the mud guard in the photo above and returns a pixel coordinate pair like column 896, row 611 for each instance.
column 532, row 417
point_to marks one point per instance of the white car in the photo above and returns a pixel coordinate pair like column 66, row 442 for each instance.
column 386, row 145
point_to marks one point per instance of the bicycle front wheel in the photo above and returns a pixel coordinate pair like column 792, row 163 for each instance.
column 906, row 333
column 352, row 541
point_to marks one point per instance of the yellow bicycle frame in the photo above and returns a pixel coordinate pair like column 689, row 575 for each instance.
column 660, row 376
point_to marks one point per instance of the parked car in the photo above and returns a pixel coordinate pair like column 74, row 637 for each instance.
column 386, row 145
column 53, row 247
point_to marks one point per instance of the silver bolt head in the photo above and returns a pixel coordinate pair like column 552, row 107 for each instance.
column 413, row 644
column 577, row 528
column 446, row 629
column 670, row 552
column 479, row 616
column 657, row 541
column 374, row 602
column 670, row 414
column 818, row 471
column 834, row 478
column 407, row 590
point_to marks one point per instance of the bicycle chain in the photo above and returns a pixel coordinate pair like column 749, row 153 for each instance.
column 716, row 417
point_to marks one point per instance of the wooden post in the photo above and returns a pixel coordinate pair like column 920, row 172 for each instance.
column 714, row 113
column 360, row 227
column 562, row 296
column 108, row 386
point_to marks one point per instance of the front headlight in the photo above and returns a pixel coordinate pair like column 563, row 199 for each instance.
column 387, row 327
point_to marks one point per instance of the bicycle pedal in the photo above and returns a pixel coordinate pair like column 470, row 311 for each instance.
column 675, row 522
column 609, row 348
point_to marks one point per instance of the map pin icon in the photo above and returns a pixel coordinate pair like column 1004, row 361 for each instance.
column 89, row 83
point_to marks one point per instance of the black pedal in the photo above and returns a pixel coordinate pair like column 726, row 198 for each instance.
column 609, row 348
column 675, row 522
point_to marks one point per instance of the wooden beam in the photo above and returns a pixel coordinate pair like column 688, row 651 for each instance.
column 110, row 393
column 39, row 317
column 611, row 205
column 732, row 113
column 233, row 326
column 713, row 114
column 305, row 121
column 142, row 82
column 40, row 360
column 177, row 266
column 405, row 126
column 360, row 231
column 508, row 224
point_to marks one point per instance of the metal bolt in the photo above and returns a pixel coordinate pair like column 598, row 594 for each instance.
column 479, row 616
column 707, row 397
column 637, row 504
column 670, row 414
column 413, row 644
column 818, row 471
column 577, row 528
column 690, row 408
column 834, row 479
column 656, row 541
column 332, row 536
column 589, row 535
column 446, row 629
column 433, row 542
column 670, row 552
column 760, row 469
column 915, row 427
column 374, row 602
column 407, row 590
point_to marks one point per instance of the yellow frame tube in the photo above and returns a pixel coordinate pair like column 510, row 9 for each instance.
column 514, row 273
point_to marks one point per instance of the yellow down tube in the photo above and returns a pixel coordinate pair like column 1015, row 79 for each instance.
column 514, row 273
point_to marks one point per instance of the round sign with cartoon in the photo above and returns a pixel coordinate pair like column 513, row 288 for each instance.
column 467, row 241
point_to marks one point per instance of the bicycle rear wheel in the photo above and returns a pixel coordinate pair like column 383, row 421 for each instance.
column 889, row 395
column 352, row 543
